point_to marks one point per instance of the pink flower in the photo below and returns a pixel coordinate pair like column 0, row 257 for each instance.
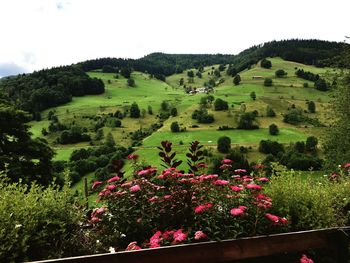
column 272, row 217
column 201, row 208
column 153, row 199
column 225, row 166
column 133, row 246
column 155, row 240
column 135, row 188
column 199, row 235
column 113, row 179
column 132, row 156
column 204, row 177
column 95, row 184
column 148, row 171
column 263, row 179
column 166, row 197
column 236, row 188
column 238, row 211
column 253, row 187
column 202, row 165
column 241, row 171
column 305, row 259
column 346, row 165
column 227, row 161
column 179, row 236
column 111, row 187
column 100, row 210
column 220, row 182
column 167, row 235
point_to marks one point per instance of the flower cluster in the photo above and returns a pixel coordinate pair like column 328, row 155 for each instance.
column 216, row 208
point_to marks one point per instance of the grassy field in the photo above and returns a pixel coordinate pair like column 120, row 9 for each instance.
column 151, row 92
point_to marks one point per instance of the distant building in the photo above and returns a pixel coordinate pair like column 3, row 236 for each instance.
column 257, row 77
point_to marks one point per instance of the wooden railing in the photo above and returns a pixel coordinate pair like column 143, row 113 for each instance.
column 335, row 240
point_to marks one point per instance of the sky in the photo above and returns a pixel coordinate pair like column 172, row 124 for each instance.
column 37, row 34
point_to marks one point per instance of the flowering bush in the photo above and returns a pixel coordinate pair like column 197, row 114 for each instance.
column 177, row 207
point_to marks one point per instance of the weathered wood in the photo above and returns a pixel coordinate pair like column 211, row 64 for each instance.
column 228, row 250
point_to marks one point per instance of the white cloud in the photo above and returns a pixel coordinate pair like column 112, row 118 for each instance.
column 63, row 32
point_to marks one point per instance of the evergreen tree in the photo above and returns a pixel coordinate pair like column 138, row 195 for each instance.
column 24, row 158
column 134, row 111
column 174, row 127
column 311, row 106
column 237, row 79
column 224, row 144
column 273, row 129
column 109, row 141
column 253, row 95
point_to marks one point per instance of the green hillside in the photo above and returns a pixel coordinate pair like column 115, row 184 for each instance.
column 286, row 92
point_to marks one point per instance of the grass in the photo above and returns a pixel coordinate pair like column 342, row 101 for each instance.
column 210, row 137
column 151, row 92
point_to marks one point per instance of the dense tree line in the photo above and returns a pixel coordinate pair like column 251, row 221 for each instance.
column 311, row 52
column 49, row 88
column 159, row 64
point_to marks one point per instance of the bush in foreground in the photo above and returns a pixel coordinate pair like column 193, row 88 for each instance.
column 38, row 223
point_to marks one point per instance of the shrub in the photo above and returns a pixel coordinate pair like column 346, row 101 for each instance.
column 265, row 63
column 236, row 79
column 174, row 127
column 224, row 144
column 308, row 204
column 273, row 129
column 220, row 104
column 247, row 121
column 173, row 207
column 268, row 82
column 280, row 73
column 270, row 147
column 270, row 112
column 38, row 223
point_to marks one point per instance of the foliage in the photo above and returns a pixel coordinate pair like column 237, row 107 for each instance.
column 175, row 127
column 172, row 207
column 167, row 156
column 336, row 139
column 322, row 85
column 195, row 157
column 236, row 79
column 307, row 203
column 270, row 112
column 134, row 111
column 268, row 82
column 49, row 88
column 270, row 147
column 202, row 116
column 280, row 73
column 293, row 116
column 131, row 82
column 247, row 121
column 220, row 104
column 265, row 63
column 224, row 144
column 38, row 223
column 25, row 158
column 300, row 73
column 273, row 129
column 253, row 95
column 311, row 106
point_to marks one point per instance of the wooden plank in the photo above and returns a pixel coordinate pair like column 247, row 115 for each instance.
column 228, row 250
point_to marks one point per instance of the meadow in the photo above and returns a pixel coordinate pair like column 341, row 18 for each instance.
column 149, row 92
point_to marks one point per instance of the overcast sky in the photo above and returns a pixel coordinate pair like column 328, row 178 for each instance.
column 37, row 34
